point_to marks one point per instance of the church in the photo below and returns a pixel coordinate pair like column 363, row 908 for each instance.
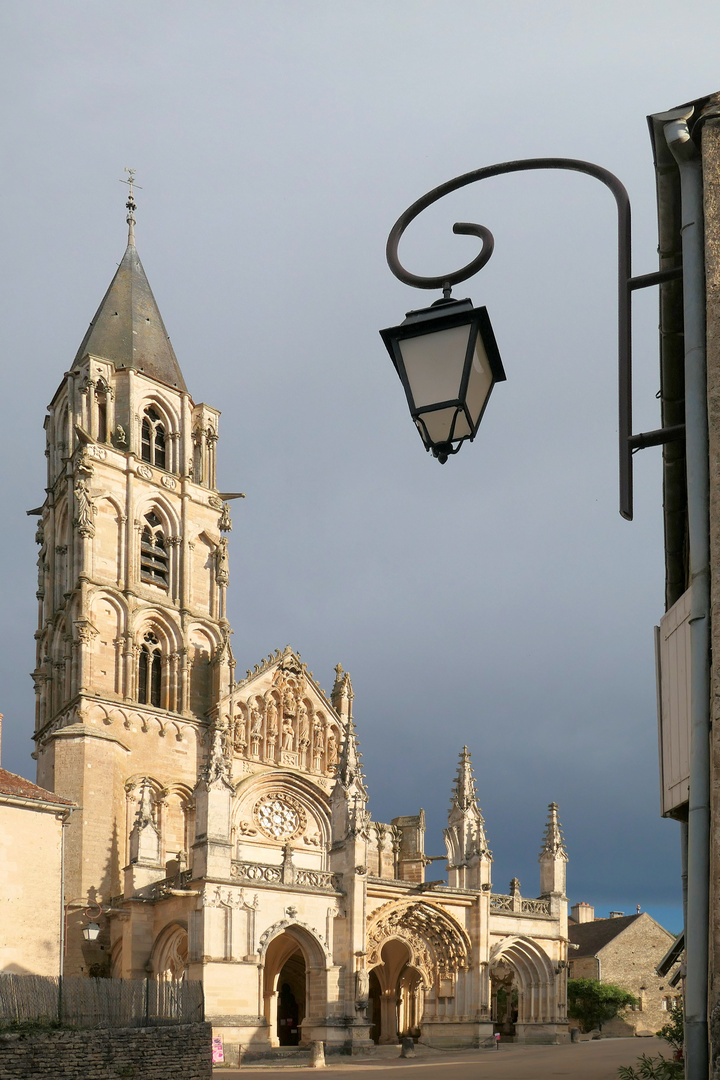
column 224, row 832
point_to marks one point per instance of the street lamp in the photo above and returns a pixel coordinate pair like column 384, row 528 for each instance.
column 448, row 362
column 446, row 393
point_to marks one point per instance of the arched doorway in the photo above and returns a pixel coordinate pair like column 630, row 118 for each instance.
column 528, row 998
column 294, row 985
column 504, row 999
column 291, row 1000
column 396, row 995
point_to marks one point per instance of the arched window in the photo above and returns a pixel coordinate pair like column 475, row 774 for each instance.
column 102, row 393
column 150, row 671
column 153, row 438
column 154, row 561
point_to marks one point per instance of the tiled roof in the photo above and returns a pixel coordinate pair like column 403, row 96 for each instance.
column 593, row 936
column 12, row 784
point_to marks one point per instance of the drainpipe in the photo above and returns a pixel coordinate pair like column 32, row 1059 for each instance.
column 689, row 163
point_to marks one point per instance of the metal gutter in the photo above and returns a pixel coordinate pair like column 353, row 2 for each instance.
column 679, row 141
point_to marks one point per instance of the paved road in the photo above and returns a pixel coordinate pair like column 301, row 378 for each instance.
column 596, row 1060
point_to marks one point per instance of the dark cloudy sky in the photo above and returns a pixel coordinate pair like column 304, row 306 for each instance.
column 498, row 601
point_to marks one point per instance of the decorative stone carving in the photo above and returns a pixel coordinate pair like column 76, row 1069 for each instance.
column 230, row 898
column 145, row 471
column 84, row 509
column 217, row 769
column 271, row 713
column 225, row 522
column 279, row 927
column 222, row 563
column 280, row 816
column 439, row 946
column 168, row 482
column 98, row 452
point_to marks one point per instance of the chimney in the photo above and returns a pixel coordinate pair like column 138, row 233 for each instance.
column 582, row 912
column 616, row 914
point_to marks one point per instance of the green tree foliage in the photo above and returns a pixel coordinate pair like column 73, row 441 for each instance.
column 594, row 1003
column 649, row 1068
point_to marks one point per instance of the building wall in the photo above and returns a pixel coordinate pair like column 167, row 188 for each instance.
column 711, row 176
column 30, row 872
column 629, row 961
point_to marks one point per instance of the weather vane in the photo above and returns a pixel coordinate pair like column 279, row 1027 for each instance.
column 130, row 204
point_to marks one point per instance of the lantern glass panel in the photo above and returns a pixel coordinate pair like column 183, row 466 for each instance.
column 439, row 424
column 479, row 383
column 434, row 364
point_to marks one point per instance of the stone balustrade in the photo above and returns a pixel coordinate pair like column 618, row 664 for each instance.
column 516, row 905
column 286, row 874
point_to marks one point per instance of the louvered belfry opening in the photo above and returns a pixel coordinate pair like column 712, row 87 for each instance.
column 153, row 439
column 154, row 562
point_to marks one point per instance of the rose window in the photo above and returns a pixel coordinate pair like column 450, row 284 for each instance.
column 279, row 816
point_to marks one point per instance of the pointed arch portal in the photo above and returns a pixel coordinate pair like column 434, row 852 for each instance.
column 293, row 984
column 523, row 987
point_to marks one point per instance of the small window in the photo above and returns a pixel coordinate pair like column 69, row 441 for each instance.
column 153, row 438
column 154, row 561
column 150, row 671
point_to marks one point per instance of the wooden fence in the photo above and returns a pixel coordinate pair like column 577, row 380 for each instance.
column 98, row 1003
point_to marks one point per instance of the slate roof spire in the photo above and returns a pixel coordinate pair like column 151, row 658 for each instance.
column 128, row 329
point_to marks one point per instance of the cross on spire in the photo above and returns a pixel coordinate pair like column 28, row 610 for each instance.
column 130, row 204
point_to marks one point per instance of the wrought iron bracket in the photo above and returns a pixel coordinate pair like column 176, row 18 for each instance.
column 626, row 284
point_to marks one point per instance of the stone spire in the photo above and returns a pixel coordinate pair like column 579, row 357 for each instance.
column 469, row 856
column 553, row 839
column 464, row 793
column 349, row 795
column 128, row 329
column 553, row 856
column 349, row 770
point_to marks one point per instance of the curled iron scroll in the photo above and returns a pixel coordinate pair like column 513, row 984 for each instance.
column 445, row 281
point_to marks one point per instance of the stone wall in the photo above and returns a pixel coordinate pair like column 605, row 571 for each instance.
column 30, row 845
column 182, row 1051
column 711, row 181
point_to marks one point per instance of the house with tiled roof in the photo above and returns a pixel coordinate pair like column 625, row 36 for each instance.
column 624, row 950
column 31, row 876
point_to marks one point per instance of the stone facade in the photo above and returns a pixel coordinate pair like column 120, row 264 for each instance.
column 626, row 950
column 225, row 818
column 110, row 1054
column 31, row 841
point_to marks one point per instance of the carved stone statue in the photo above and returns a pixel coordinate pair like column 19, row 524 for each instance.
column 222, row 562
column 331, row 749
column 303, row 724
column 217, row 766
column 255, row 721
column 240, row 739
column 289, row 704
column 272, row 714
column 146, row 806
column 362, row 988
column 288, row 735
column 83, row 509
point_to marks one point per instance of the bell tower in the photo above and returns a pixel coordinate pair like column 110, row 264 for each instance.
column 133, row 644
